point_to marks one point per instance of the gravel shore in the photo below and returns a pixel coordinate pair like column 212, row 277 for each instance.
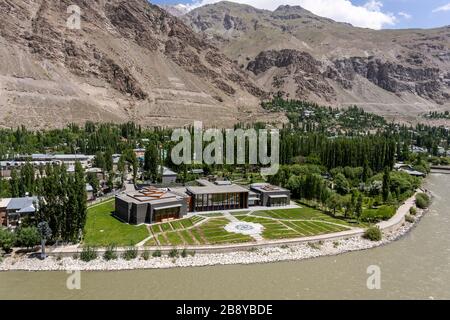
column 265, row 255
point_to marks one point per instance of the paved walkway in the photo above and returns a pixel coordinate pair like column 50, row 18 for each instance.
column 232, row 218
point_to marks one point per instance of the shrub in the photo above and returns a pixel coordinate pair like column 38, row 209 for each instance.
column 27, row 237
column 145, row 255
column 156, row 253
column 314, row 245
column 88, row 254
column 378, row 214
column 373, row 234
column 173, row 253
column 413, row 211
column 110, row 253
column 184, row 253
column 422, row 200
column 7, row 240
column 410, row 218
column 130, row 254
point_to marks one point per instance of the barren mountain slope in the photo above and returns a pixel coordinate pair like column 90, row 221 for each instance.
column 393, row 72
column 129, row 61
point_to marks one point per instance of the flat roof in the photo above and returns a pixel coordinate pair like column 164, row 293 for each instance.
column 211, row 189
column 151, row 195
column 205, row 182
column 267, row 188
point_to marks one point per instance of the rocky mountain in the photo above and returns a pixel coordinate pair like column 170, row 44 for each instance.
column 399, row 73
column 129, row 60
column 176, row 10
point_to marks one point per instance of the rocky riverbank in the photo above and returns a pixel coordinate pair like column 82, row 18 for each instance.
column 263, row 255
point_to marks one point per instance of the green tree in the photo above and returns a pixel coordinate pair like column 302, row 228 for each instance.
column 7, row 240
column 28, row 237
column 108, row 160
column 15, row 184
column 151, row 162
column 92, row 179
column 99, row 160
column 341, row 184
column 27, row 179
column 386, row 184
column 359, row 206
column 81, row 202
column 334, row 202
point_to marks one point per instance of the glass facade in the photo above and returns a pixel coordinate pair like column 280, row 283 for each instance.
column 166, row 214
column 219, row 201
column 278, row 202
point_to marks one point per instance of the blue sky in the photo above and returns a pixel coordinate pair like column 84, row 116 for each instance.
column 375, row 14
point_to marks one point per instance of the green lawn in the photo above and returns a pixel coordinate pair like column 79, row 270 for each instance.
column 103, row 229
column 210, row 232
column 379, row 214
column 303, row 213
column 281, row 229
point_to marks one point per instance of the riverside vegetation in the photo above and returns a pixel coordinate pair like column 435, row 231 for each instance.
column 338, row 165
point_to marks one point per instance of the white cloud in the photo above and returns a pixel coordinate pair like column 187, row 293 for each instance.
column 404, row 15
column 373, row 5
column 368, row 15
column 445, row 7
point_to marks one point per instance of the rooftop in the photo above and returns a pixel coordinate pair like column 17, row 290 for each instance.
column 217, row 189
column 152, row 195
column 267, row 188
column 22, row 203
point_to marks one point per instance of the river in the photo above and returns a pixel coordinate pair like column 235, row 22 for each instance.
column 414, row 267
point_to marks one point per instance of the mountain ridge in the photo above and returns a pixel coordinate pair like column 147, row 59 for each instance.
column 390, row 72
column 130, row 61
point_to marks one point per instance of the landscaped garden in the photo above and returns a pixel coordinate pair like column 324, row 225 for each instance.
column 103, row 229
column 277, row 223
column 209, row 232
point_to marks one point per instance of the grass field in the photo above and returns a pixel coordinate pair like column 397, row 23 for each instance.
column 281, row 229
column 103, row 229
column 209, row 232
column 303, row 213
column 379, row 214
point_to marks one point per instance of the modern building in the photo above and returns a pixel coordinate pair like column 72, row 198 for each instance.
column 151, row 205
column 269, row 195
column 211, row 197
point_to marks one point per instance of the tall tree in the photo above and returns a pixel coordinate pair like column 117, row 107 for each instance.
column 386, row 184
column 15, row 184
column 151, row 162
column 359, row 207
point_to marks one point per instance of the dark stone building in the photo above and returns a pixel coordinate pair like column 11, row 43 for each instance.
column 150, row 205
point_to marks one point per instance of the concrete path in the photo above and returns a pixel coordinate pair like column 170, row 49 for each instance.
column 232, row 218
